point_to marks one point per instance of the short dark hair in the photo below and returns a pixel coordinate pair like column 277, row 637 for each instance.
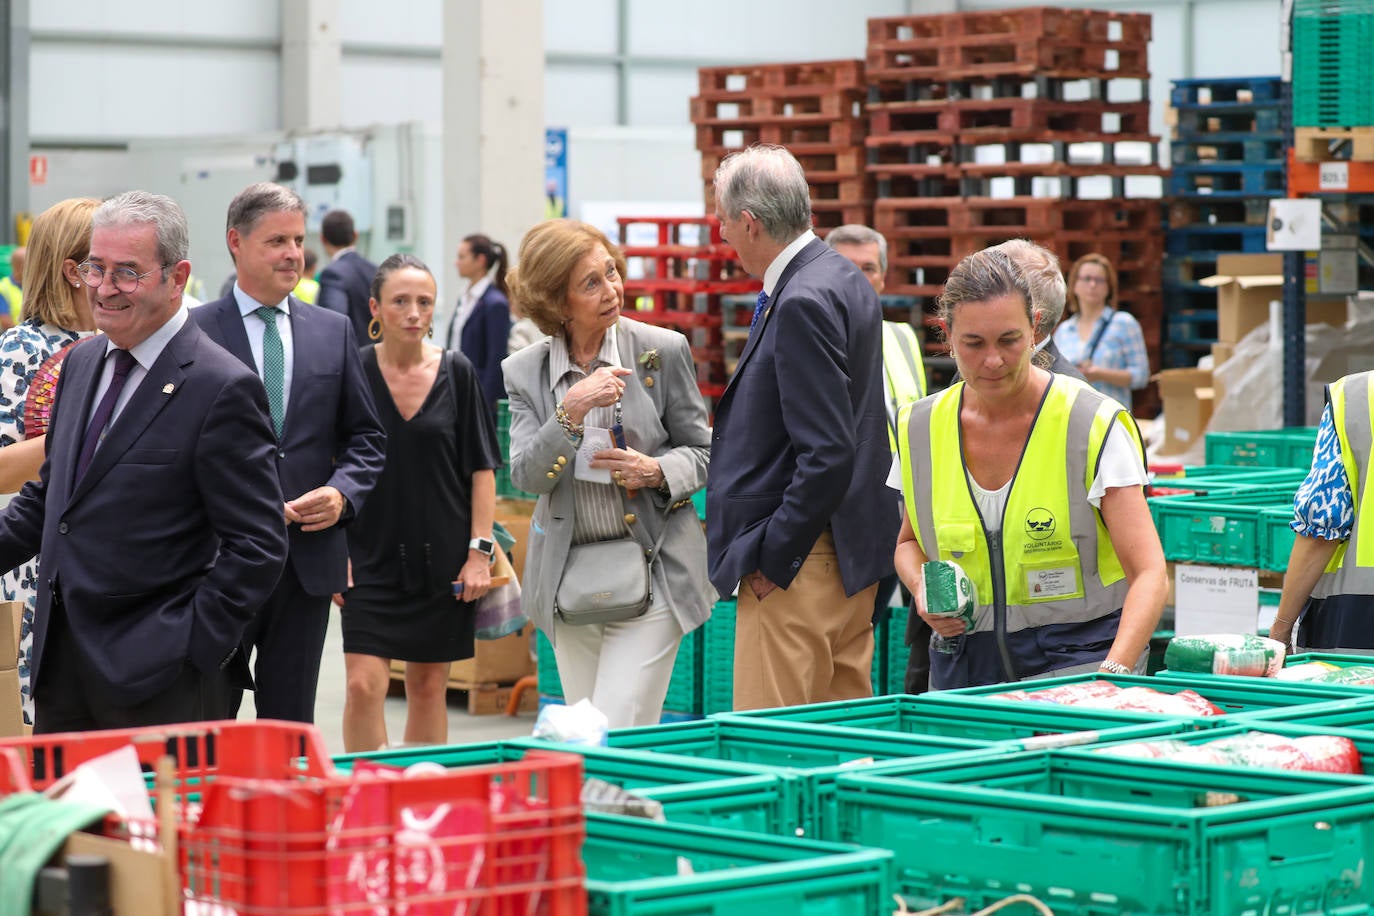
column 256, row 201
column 337, row 229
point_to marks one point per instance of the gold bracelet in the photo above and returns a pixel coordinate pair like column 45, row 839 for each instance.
column 573, row 430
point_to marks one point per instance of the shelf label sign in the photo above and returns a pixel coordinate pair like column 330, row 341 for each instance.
column 1333, row 176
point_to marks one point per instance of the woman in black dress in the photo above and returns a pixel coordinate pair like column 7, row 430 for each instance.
column 426, row 527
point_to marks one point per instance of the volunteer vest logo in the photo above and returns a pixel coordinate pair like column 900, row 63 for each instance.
column 1039, row 524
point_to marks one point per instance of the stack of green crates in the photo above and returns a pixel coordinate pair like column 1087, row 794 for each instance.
column 1229, row 529
column 1333, row 44
column 1268, row 448
column 504, row 488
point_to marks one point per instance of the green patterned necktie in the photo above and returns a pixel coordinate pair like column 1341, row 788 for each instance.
column 273, row 364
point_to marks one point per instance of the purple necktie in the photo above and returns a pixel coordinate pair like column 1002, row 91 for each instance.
column 123, row 362
column 759, row 308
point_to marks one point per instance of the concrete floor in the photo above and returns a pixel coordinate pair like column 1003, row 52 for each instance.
column 329, row 705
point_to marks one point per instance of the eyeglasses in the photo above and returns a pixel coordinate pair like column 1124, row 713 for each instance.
column 125, row 279
column 1092, row 281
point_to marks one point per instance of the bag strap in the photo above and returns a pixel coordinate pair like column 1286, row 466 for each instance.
column 663, row 532
column 1097, row 335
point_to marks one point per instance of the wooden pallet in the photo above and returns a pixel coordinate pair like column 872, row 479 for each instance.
column 1003, row 120
column 1324, row 144
column 485, row 699
column 832, row 74
column 835, row 162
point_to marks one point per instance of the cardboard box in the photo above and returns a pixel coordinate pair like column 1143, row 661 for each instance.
column 1247, row 283
column 1188, row 400
column 136, row 875
column 11, row 710
column 498, row 661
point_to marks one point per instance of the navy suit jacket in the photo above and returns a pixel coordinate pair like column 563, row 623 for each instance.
column 484, row 340
column 331, row 434
column 800, row 438
column 346, row 287
column 174, row 537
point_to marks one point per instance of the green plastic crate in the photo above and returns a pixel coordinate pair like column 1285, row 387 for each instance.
column 635, row 868
column 913, row 715
column 1363, row 741
column 1272, row 448
column 1333, row 691
column 895, row 651
column 1234, row 696
column 810, row 756
column 1220, row 528
column 1275, row 538
column 504, row 488
column 1353, row 713
column 546, row 667
column 714, row 793
column 1091, row 835
column 684, row 689
column 718, row 659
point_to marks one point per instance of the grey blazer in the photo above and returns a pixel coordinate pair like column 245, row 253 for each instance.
column 666, row 420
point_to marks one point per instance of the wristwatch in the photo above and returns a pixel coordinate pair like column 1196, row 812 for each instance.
column 483, row 545
column 1111, row 667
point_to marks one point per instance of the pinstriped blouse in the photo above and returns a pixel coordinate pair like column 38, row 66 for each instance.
column 598, row 511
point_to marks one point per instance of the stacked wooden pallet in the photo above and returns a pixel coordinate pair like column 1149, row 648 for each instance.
column 1030, row 123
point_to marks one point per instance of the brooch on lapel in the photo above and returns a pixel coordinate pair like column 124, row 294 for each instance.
column 168, row 388
column 650, row 362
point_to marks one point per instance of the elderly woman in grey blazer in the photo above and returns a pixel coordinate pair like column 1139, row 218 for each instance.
column 569, row 281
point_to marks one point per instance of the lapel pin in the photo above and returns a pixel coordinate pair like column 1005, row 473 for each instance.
column 649, row 381
column 168, row 388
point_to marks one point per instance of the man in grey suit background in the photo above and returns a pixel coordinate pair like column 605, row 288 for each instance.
column 796, row 515
column 330, row 443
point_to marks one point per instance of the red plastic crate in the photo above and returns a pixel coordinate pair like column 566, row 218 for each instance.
column 266, row 827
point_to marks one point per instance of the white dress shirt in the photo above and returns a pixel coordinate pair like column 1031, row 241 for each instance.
column 773, row 274
column 145, row 353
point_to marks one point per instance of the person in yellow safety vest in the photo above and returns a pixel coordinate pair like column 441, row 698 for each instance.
column 1033, row 483
column 12, row 289
column 308, row 290
column 1330, row 576
column 904, row 381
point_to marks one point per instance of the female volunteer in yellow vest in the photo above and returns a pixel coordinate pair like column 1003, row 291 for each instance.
column 1032, row 482
column 1330, row 577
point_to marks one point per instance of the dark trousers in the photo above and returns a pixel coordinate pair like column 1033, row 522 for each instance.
column 288, row 634
column 64, row 701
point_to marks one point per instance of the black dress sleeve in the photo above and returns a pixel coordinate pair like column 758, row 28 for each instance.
column 476, row 432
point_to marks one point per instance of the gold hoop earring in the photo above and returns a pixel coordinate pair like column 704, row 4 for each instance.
column 430, row 332
column 374, row 329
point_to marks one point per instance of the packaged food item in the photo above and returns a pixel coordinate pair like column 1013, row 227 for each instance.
column 1227, row 653
column 949, row 591
column 1307, row 671
column 1103, row 694
column 1310, row 753
column 1355, row 674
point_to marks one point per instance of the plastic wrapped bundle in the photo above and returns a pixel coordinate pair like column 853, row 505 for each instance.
column 1355, row 674
column 1185, row 703
column 1309, row 753
column 1307, row 671
column 949, row 591
column 1101, row 694
column 1228, row 653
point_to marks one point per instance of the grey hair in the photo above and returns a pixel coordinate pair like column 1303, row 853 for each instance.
column 980, row 277
column 856, row 234
column 257, row 200
column 769, row 182
column 145, row 208
column 1046, row 281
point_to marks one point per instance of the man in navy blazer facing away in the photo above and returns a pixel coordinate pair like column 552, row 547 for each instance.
column 157, row 511
column 346, row 281
column 330, row 443
column 795, row 513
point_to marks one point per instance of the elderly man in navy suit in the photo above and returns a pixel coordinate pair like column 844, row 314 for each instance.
column 157, row 511
column 330, row 443
column 796, row 514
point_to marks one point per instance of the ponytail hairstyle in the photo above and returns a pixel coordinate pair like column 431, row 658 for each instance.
column 482, row 246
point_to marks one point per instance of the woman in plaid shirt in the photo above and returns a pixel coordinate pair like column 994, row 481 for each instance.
column 1104, row 342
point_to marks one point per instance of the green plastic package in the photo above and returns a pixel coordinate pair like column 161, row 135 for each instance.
column 1226, row 653
column 949, row 591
